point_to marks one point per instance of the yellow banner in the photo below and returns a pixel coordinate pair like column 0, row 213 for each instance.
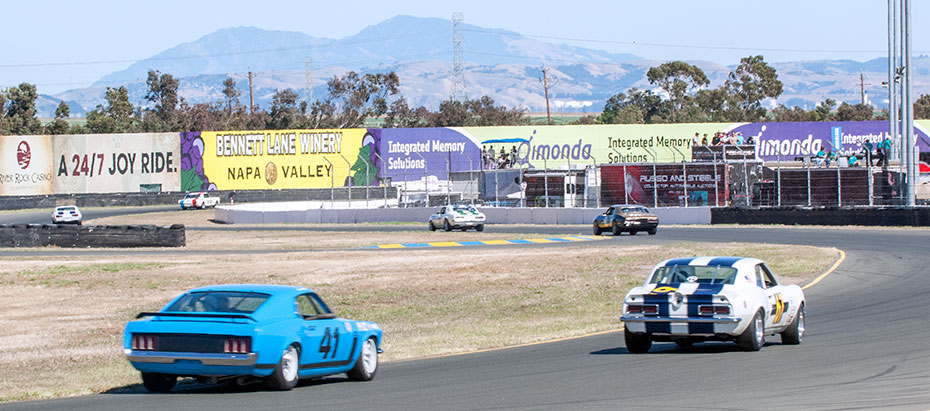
column 278, row 159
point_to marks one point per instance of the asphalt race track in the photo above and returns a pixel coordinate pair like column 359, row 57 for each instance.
column 867, row 346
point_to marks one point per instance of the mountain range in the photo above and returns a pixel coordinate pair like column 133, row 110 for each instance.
column 504, row 65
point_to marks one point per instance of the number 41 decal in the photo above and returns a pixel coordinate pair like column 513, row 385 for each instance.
column 330, row 343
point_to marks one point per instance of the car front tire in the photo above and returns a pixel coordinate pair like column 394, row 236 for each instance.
column 431, row 226
column 158, row 383
column 367, row 363
column 753, row 338
column 637, row 343
column 795, row 331
column 597, row 229
column 284, row 377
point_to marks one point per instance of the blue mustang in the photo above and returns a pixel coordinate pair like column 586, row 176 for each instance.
column 275, row 333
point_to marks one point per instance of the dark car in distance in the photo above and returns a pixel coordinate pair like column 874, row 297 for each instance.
column 630, row 218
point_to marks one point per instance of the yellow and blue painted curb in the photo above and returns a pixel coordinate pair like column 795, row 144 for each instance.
column 569, row 239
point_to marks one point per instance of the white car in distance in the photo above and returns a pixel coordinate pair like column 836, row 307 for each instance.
column 67, row 215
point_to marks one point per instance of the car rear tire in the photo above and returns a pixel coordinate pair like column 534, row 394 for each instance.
column 615, row 229
column 753, row 338
column 597, row 229
column 651, row 231
column 367, row 363
column 795, row 331
column 284, row 377
column 479, row 227
column 637, row 343
column 158, row 383
column 446, row 226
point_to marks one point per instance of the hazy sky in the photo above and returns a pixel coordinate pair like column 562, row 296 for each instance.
column 60, row 45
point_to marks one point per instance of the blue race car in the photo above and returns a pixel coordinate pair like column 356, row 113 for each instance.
column 274, row 333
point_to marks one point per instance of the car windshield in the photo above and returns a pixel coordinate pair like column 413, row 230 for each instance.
column 219, row 302
column 634, row 210
column 704, row 274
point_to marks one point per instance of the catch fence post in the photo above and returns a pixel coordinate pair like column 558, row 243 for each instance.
column 425, row 176
column 349, row 177
column 332, row 185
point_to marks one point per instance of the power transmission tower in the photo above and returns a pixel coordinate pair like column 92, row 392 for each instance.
column 308, row 78
column 458, row 58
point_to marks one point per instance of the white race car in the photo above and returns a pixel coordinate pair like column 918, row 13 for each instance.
column 695, row 299
column 198, row 199
column 463, row 216
column 67, row 215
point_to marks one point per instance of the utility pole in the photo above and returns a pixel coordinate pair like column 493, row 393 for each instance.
column 545, row 81
column 308, row 78
column 251, row 93
column 861, row 88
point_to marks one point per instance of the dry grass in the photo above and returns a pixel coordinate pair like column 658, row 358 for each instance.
column 63, row 319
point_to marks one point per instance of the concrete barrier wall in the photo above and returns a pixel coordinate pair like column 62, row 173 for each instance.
column 70, row 236
column 887, row 216
column 255, row 215
column 373, row 194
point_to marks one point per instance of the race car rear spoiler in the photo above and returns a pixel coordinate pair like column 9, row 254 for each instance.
column 201, row 315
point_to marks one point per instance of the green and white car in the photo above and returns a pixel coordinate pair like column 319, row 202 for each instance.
column 458, row 216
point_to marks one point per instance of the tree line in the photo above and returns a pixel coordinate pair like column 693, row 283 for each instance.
column 352, row 98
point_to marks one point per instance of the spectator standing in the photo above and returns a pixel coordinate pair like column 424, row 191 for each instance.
column 867, row 151
column 704, row 140
column 697, row 138
column 739, row 138
column 884, row 150
column 750, row 140
column 493, row 158
column 716, row 140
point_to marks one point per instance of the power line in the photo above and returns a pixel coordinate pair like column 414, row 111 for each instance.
column 689, row 46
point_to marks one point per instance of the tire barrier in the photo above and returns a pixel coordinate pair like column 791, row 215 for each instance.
column 875, row 216
column 91, row 236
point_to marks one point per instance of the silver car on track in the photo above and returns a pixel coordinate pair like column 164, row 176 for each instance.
column 458, row 216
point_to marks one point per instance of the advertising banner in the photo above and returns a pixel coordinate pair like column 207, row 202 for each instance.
column 114, row 163
column 412, row 153
column 275, row 159
column 557, row 146
column 786, row 141
column 642, row 184
column 25, row 165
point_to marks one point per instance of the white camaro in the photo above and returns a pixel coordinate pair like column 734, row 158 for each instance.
column 695, row 299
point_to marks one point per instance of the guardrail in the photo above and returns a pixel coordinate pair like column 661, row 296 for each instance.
column 95, row 236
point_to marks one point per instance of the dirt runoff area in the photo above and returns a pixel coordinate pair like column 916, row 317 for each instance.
column 63, row 317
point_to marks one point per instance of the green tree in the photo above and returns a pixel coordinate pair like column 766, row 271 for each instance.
column 751, row 82
column 163, row 95
column 858, row 112
column 476, row 112
column 635, row 107
column 233, row 111
column 401, row 115
column 116, row 117
column 60, row 125
column 823, row 111
column 4, row 122
column 922, row 107
column 21, row 112
column 679, row 80
column 352, row 98
column 285, row 113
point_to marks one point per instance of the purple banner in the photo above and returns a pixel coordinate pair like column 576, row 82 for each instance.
column 412, row 153
column 803, row 139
